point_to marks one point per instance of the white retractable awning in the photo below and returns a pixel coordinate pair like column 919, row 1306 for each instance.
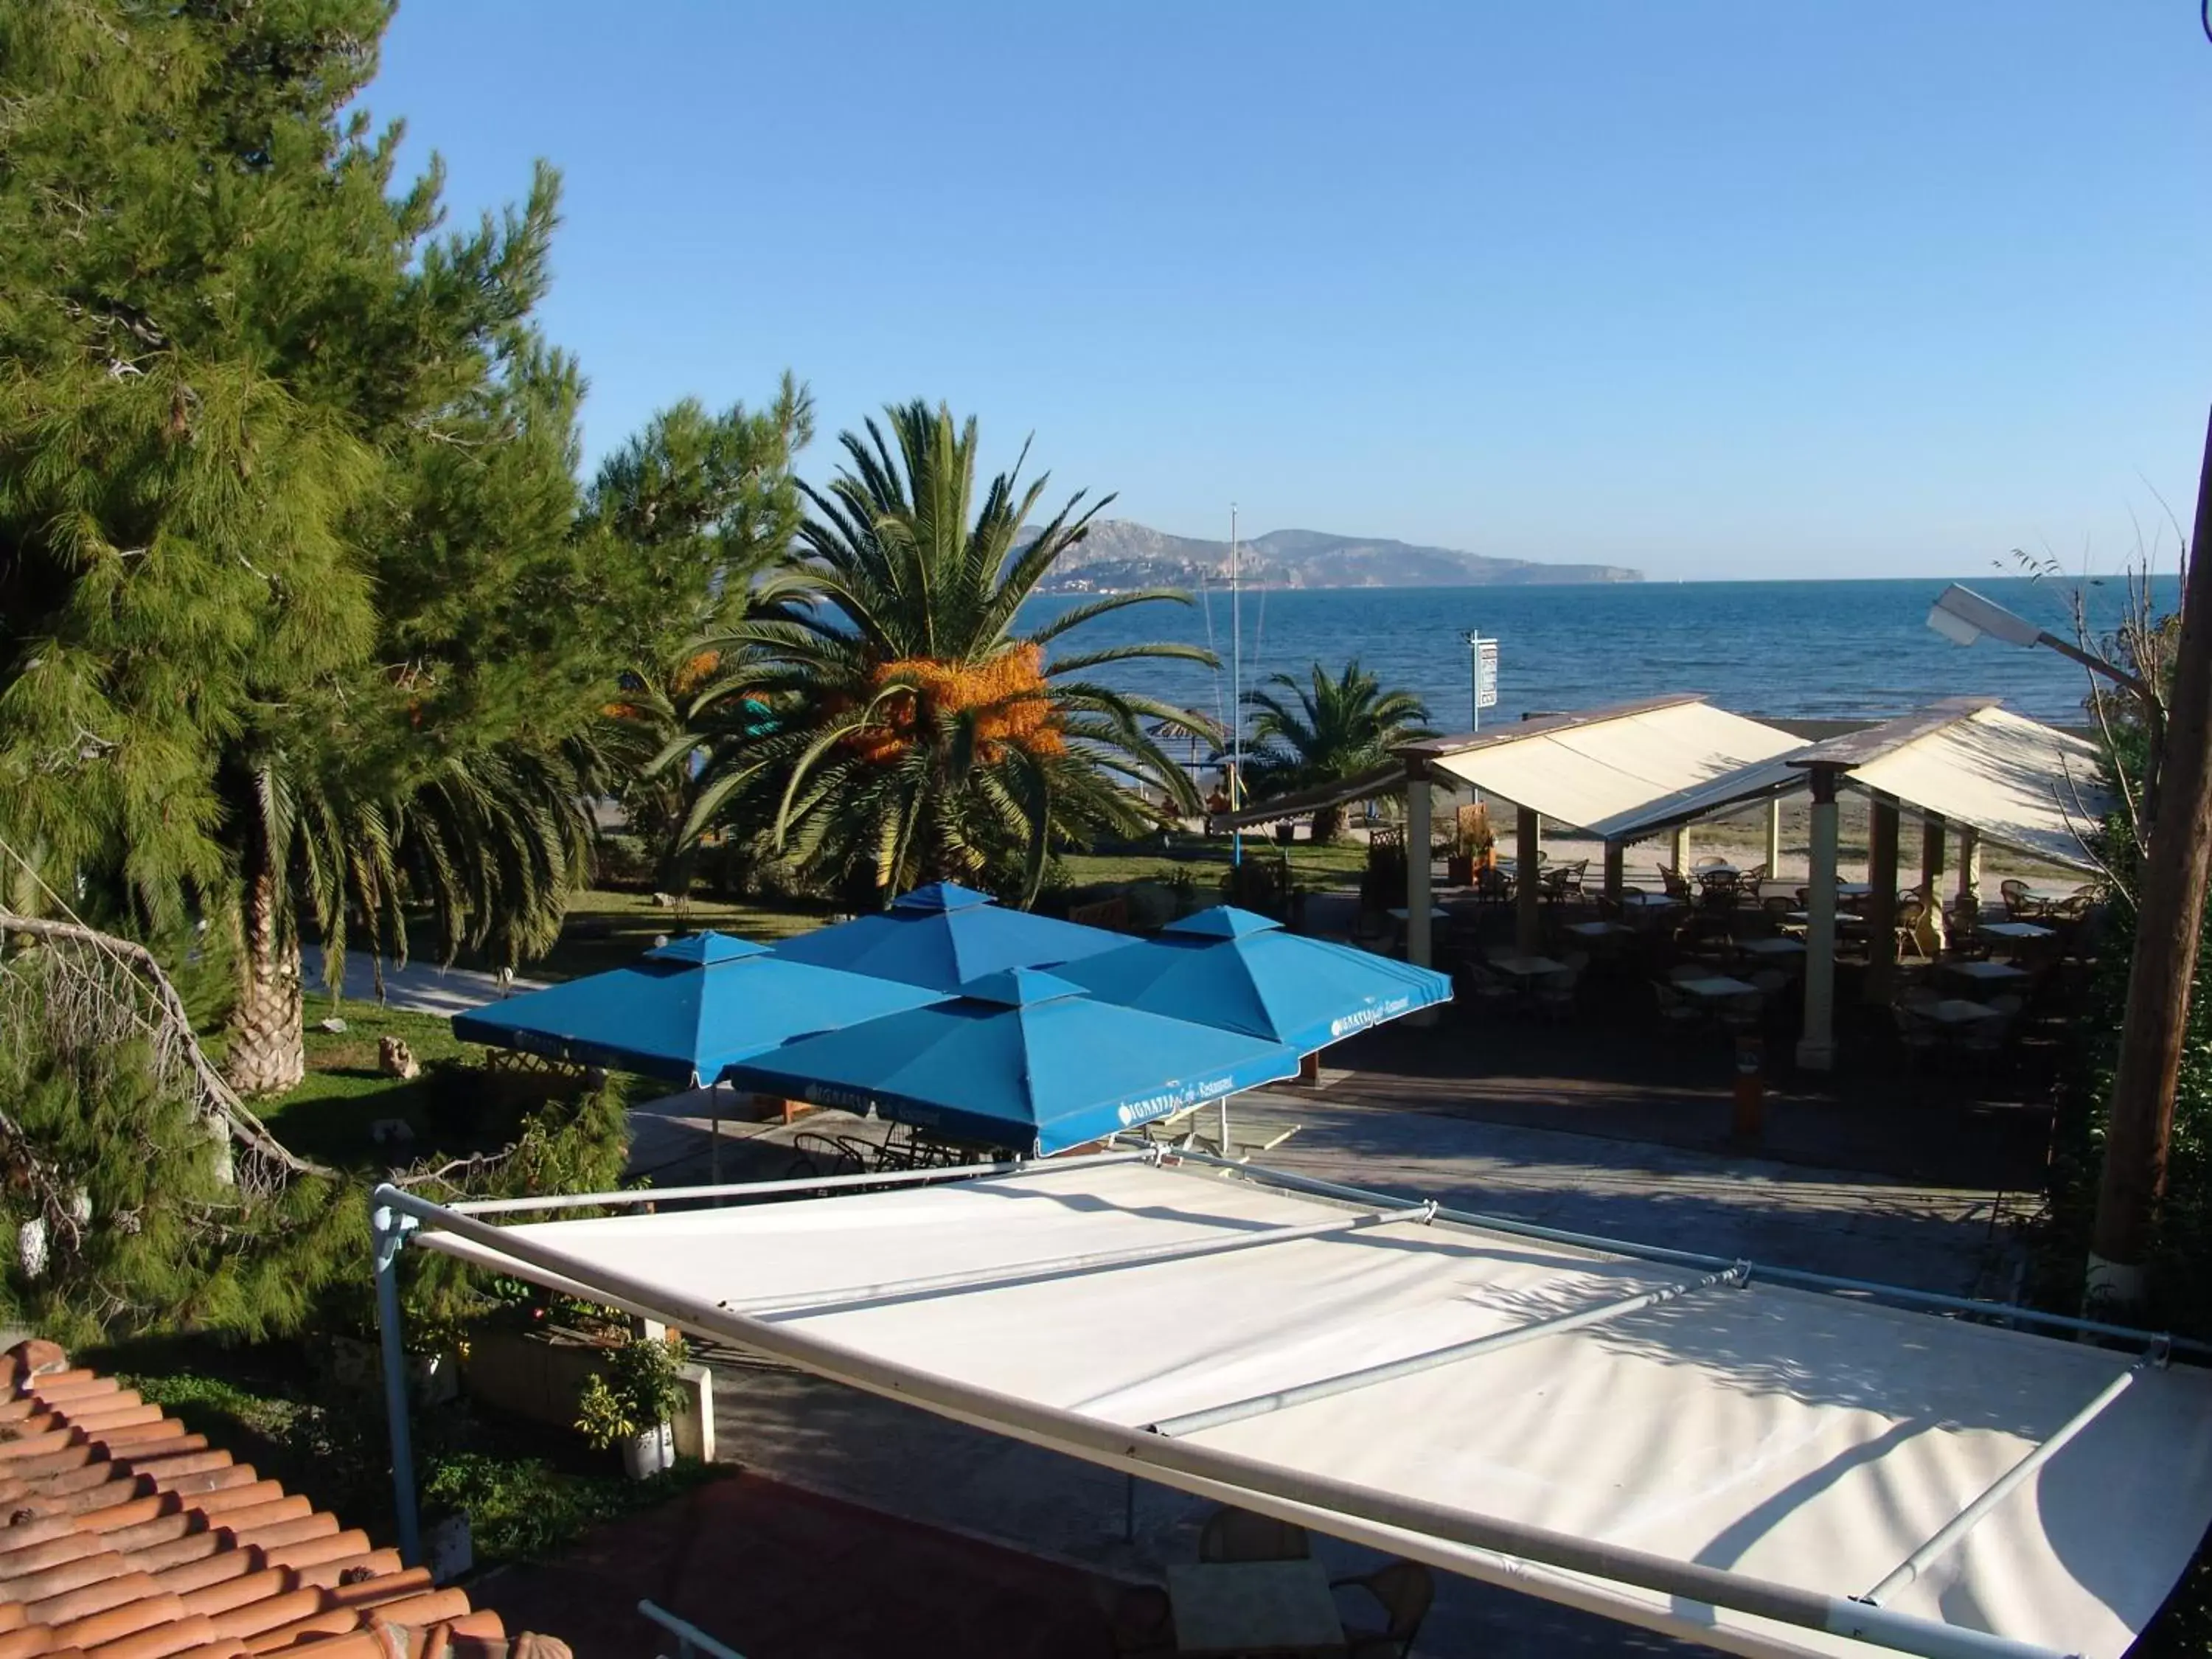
column 2014, row 780
column 1594, row 772
column 1625, row 1431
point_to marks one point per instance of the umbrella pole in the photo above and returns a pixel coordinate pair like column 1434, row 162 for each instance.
column 1225, row 1153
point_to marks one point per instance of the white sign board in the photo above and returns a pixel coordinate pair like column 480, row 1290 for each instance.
column 1486, row 674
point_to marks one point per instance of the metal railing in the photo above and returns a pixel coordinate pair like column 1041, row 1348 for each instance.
column 692, row 1642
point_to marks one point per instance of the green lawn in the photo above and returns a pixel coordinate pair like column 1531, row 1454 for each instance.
column 1336, row 865
column 328, row 1117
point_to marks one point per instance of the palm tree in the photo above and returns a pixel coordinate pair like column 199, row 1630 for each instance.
column 1327, row 731
column 904, row 728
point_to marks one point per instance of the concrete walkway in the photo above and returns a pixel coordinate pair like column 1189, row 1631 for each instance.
column 423, row 987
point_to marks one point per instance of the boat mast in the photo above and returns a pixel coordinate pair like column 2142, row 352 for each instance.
column 1236, row 692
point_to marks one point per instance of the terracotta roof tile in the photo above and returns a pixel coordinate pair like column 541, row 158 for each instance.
column 125, row 1536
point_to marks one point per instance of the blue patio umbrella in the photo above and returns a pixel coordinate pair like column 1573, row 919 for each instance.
column 1242, row 972
column 944, row 937
column 684, row 1011
column 1022, row 1059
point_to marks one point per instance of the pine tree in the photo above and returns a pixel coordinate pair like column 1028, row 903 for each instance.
column 291, row 614
column 690, row 527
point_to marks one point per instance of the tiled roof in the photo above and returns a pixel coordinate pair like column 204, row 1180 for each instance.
column 124, row 1537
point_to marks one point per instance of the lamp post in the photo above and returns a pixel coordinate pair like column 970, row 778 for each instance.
column 1962, row 616
column 2169, row 907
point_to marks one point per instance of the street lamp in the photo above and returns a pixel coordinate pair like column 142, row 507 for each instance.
column 1962, row 615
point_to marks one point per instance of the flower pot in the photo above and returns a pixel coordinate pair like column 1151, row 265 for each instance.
column 646, row 1455
column 1459, row 870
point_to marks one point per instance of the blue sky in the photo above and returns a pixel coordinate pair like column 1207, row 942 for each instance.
column 1713, row 289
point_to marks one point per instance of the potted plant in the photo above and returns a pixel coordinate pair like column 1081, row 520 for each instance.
column 629, row 1400
column 1473, row 844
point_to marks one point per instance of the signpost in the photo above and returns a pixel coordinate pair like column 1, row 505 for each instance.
column 1485, row 652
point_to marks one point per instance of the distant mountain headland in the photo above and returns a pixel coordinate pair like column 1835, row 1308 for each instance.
column 1118, row 554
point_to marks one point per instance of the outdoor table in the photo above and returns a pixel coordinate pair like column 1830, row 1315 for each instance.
column 1702, row 871
column 1853, row 890
column 1776, row 946
column 1642, row 901
column 2021, row 932
column 1957, row 1011
column 1984, row 972
column 1436, row 913
column 1596, row 930
column 1526, row 967
column 1254, row 1607
column 1718, row 989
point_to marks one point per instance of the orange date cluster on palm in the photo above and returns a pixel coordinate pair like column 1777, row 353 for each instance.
column 1006, row 695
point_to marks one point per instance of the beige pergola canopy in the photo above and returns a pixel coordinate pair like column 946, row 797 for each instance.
column 1598, row 771
column 1632, row 771
column 2013, row 781
column 1585, row 771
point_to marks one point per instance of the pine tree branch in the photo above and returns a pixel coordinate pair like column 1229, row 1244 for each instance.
column 241, row 1123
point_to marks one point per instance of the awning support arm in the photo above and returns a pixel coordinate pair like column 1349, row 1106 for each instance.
column 2008, row 1312
column 388, row 1228
column 897, row 1290
column 1975, row 1513
column 1260, row 1405
column 633, row 1195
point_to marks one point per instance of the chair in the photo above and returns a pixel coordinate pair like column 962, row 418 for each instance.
column 2076, row 904
column 1554, row 993
column 1402, row 1592
column 1919, row 1035
column 1231, row 1534
column 1676, row 887
column 815, row 1154
column 1676, row 1011
column 1564, row 880
column 1490, row 989
column 2019, row 904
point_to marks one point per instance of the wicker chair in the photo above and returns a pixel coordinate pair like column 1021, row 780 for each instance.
column 1402, row 1592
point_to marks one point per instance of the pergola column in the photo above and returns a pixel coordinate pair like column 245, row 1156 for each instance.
column 1932, row 831
column 1418, row 873
column 1774, row 837
column 1682, row 848
column 1970, row 875
column 1615, row 856
column 1816, row 1048
column 1527, row 887
column 1881, row 902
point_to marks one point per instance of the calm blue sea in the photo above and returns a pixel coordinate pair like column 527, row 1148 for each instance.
column 1807, row 649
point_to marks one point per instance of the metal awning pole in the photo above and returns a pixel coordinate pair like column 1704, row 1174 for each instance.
column 1796, row 1276
column 806, row 1184
column 1020, row 1272
column 1976, row 1513
column 1260, row 1405
column 1190, row 1464
column 388, row 1228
